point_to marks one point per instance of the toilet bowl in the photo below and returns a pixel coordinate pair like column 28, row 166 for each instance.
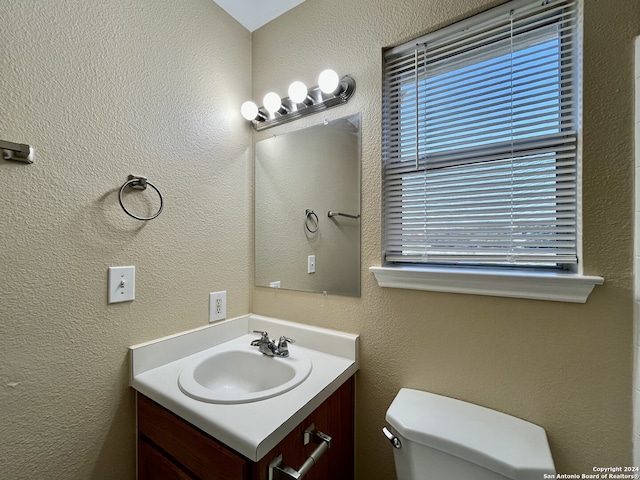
column 440, row 438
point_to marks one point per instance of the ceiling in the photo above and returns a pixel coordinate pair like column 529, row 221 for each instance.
column 252, row 14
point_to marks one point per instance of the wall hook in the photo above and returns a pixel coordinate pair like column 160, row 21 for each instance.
column 17, row 152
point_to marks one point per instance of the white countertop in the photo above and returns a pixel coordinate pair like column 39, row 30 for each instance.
column 251, row 429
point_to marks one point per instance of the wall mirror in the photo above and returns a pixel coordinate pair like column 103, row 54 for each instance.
column 299, row 178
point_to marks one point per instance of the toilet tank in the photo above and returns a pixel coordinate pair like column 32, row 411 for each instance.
column 442, row 438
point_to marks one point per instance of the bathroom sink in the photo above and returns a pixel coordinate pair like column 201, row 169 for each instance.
column 225, row 397
column 242, row 375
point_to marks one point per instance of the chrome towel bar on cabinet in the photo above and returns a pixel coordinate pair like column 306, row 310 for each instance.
column 278, row 470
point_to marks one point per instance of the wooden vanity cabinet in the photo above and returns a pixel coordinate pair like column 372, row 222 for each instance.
column 170, row 448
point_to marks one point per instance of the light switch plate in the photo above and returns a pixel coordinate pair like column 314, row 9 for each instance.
column 122, row 284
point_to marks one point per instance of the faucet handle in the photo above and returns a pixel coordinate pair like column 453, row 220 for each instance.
column 283, row 348
column 283, row 341
column 264, row 338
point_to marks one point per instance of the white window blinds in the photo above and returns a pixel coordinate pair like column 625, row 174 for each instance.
column 480, row 140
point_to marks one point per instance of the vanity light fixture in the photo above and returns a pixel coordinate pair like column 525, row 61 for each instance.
column 298, row 92
column 272, row 102
column 330, row 92
column 249, row 110
column 328, row 81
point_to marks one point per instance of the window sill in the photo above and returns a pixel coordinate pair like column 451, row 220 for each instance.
column 557, row 287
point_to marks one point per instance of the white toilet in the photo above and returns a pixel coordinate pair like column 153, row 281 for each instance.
column 440, row 438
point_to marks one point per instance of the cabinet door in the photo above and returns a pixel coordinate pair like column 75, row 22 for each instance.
column 335, row 417
column 153, row 465
column 195, row 451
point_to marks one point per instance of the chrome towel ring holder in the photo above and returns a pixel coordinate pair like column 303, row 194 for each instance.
column 139, row 183
column 311, row 221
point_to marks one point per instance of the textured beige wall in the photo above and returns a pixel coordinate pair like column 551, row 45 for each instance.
column 566, row 367
column 104, row 89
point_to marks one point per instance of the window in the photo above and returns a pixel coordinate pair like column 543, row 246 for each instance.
column 480, row 156
column 480, row 136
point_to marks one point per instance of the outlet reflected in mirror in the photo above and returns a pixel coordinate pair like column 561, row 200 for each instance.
column 299, row 178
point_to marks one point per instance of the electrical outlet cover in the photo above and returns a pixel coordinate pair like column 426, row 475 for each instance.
column 217, row 306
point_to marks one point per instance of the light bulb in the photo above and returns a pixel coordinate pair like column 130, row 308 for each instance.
column 249, row 110
column 298, row 92
column 328, row 81
column 272, row 102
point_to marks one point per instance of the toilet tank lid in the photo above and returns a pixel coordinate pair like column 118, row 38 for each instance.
column 499, row 442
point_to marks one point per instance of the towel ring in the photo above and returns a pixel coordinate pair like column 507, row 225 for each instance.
column 139, row 183
column 313, row 218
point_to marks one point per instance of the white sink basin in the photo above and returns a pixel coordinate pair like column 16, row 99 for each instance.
column 242, row 375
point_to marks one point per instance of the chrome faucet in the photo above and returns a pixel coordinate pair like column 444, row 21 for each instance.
column 269, row 348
